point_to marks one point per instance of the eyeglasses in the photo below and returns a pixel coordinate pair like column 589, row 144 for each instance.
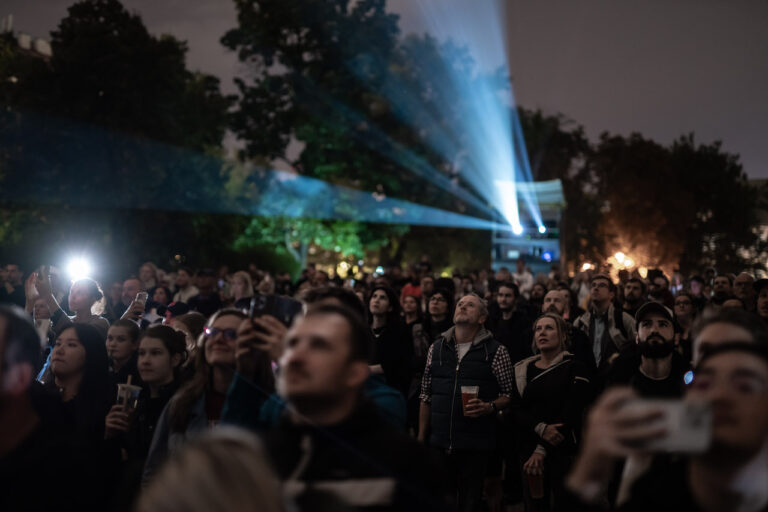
column 437, row 298
column 230, row 334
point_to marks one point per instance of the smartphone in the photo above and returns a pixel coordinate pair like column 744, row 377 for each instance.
column 688, row 424
column 142, row 297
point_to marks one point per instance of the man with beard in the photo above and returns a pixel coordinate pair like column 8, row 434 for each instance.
column 722, row 289
column 654, row 369
column 634, row 295
column 509, row 324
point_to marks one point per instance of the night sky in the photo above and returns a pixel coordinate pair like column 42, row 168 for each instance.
column 657, row 67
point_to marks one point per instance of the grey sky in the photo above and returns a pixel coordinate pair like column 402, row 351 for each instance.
column 661, row 68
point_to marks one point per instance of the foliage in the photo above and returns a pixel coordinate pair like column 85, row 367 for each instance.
column 113, row 119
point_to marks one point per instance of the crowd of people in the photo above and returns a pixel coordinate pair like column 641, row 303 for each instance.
column 486, row 390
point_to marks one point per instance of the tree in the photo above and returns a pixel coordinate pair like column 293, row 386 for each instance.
column 337, row 77
column 113, row 120
column 685, row 206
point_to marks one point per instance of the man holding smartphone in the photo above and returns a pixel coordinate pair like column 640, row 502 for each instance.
column 730, row 474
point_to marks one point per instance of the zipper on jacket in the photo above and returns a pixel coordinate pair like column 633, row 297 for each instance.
column 453, row 404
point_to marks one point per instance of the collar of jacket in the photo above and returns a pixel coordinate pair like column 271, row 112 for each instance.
column 481, row 336
column 521, row 368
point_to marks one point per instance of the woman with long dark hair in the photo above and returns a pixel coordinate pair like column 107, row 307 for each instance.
column 197, row 405
column 551, row 394
column 392, row 349
column 80, row 376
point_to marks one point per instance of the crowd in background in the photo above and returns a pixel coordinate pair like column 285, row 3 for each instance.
column 400, row 390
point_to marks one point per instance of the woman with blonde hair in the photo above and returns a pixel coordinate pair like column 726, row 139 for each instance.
column 242, row 289
column 552, row 390
column 226, row 471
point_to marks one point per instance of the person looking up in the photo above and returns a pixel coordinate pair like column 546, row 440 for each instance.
column 608, row 328
column 197, row 405
column 466, row 357
column 86, row 300
column 722, row 289
column 634, row 295
column 743, row 289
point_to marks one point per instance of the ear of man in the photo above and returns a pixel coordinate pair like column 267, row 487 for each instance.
column 357, row 373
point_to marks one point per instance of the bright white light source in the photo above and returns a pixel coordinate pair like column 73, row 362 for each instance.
column 619, row 257
column 78, row 268
column 380, row 270
column 586, row 266
column 629, row 262
column 542, row 229
column 508, row 193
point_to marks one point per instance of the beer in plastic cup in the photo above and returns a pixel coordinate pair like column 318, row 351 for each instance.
column 535, row 486
column 467, row 394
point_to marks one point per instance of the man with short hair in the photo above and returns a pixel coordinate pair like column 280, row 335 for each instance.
column 722, row 289
column 207, row 301
column 697, row 292
column 608, row 328
column 185, row 290
column 655, row 368
column 509, row 324
column 743, row 289
column 330, row 447
column 659, row 291
column 465, row 357
column 634, row 296
column 427, row 289
column 12, row 289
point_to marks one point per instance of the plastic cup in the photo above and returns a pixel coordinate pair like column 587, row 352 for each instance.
column 467, row 394
column 128, row 397
column 535, row 486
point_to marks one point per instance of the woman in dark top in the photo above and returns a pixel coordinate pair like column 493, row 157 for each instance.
column 80, row 375
column 162, row 349
column 392, row 351
column 551, row 393
column 122, row 344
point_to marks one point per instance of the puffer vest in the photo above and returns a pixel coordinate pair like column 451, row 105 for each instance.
column 451, row 430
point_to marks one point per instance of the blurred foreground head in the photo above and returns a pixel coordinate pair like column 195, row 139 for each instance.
column 226, row 471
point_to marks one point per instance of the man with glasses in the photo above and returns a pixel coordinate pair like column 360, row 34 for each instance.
column 729, row 475
column 608, row 328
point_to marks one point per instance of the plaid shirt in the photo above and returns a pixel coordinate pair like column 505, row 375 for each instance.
column 501, row 366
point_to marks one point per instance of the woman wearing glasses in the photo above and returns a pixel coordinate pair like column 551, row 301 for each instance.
column 197, row 405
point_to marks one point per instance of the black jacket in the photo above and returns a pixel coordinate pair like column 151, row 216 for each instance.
column 559, row 394
column 322, row 467
column 450, row 428
column 625, row 371
column 515, row 334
